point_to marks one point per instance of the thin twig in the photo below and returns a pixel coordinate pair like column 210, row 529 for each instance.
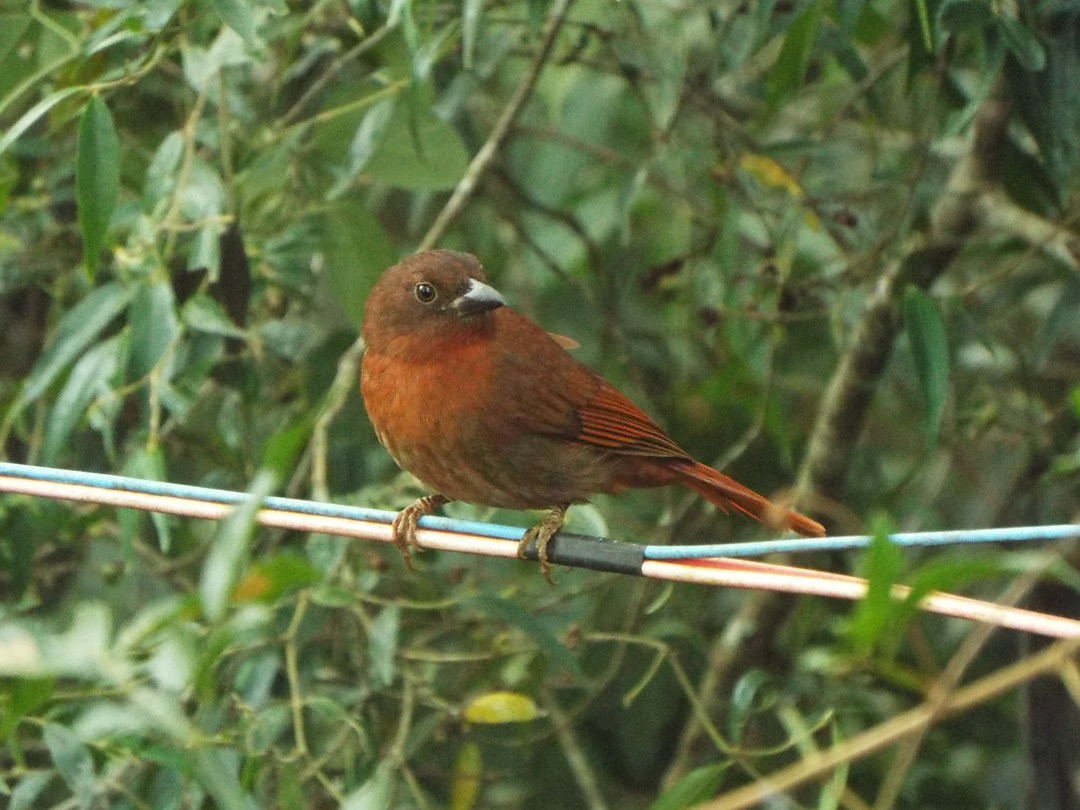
column 846, row 404
column 915, row 721
column 943, row 689
column 575, row 756
column 317, row 86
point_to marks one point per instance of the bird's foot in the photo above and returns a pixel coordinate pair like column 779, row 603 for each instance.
column 542, row 533
column 404, row 525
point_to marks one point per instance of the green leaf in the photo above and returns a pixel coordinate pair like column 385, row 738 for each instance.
column 930, row 351
column 383, row 647
column 230, row 547
column 429, row 156
column 161, row 174
column 204, row 65
column 30, row 117
column 965, row 15
column 154, row 325
column 73, row 761
column 269, row 579
column 471, row 13
column 91, row 376
column 743, row 700
column 512, row 613
column 74, row 333
column 97, row 178
column 950, row 573
column 364, row 143
column 215, row 770
column 698, row 786
column 29, row 789
column 789, row 70
column 923, row 15
column 24, row 696
column 1022, row 43
column 240, row 17
column 376, row 793
column 284, row 447
column 357, row 251
column 204, row 314
column 148, row 463
column 876, row 614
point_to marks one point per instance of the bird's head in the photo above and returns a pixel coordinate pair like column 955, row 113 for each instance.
column 429, row 292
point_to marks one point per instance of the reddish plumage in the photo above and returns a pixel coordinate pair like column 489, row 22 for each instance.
column 483, row 405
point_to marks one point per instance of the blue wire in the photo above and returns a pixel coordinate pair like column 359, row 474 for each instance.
column 501, row 532
column 763, row 547
column 147, row 487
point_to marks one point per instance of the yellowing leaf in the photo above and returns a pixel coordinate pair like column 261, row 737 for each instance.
column 501, row 707
column 465, row 782
column 772, row 175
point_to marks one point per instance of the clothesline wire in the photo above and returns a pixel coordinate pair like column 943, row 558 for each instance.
column 583, row 551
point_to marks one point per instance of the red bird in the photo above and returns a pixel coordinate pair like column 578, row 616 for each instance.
column 483, row 405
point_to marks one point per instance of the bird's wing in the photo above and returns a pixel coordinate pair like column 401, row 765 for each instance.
column 611, row 420
column 557, row 396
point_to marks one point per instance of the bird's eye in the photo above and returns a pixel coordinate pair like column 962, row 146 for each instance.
column 425, row 293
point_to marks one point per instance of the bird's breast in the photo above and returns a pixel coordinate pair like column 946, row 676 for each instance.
column 425, row 406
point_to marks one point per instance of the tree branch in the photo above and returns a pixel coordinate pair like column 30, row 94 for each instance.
column 850, row 393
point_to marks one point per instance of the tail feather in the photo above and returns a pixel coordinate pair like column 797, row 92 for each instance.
column 727, row 493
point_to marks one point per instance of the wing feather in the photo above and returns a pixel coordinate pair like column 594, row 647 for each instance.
column 611, row 420
column 559, row 397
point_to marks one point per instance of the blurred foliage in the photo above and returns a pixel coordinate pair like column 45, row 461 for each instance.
column 195, row 196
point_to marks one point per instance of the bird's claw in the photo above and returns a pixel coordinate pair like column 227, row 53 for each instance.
column 541, row 534
column 405, row 523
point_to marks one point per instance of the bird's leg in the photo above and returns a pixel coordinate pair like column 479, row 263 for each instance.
column 542, row 533
column 404, row 525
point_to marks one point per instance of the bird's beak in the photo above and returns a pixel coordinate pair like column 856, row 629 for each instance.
column 478, row 298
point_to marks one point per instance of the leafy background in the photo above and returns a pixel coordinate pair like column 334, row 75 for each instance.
column 830, row 245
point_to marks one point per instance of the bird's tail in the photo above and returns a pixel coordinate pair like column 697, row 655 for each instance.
column 727, row 493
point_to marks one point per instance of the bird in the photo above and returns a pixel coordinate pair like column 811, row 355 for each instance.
column 482, row 405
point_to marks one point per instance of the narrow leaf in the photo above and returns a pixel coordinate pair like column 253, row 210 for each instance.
column 930, row 351
column 147, row 463
column 383, row 647
column 694, row 788
column 154, row 325
column 97, row 178
column 72, row 760
column 965, row 15
column 74, row 333
column 471, row 11
column 789, row 71
column 203, row 314
column 1023, row 43
column 30, row 117
column 375, row 794
column 90, row 376
column 465, row 782
column 512, row 613
column 875, row 614
column 216, row 774
column 365, row 142
column 229, row 549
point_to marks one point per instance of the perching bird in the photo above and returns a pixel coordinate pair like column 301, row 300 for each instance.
column 482, row 405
